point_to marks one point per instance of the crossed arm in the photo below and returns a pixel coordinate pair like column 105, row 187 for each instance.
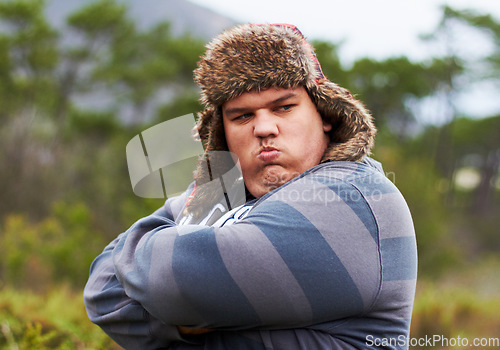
column 278, row 268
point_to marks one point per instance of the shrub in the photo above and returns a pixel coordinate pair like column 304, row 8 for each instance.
column 54, row 320
column 59, row 248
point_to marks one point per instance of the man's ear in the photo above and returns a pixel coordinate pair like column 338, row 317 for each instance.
column 327, row 126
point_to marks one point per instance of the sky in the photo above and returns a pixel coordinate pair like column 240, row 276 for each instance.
column 370, row 28
column 374, row 28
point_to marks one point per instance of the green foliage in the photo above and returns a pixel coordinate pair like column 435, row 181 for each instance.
column 59, row 248
column 29, row 55
column 55, row 320
column 53, row 145
column 388, row 86
column 476, row 136
column 465, row 304
column 83, row 122
column 101, row 20
column 180, row 106
column 472, row 212
column 327, row 54
column 453, row 312
column 485, row 23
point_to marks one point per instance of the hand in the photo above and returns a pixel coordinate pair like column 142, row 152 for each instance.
column 193, row 331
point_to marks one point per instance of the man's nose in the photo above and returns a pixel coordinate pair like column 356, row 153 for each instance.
column 265, row 124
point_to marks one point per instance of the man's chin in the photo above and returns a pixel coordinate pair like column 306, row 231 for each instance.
column 271, row 178
column 274, row 176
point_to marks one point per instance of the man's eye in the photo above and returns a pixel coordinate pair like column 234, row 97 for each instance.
column 243, row 116
column 285, row 107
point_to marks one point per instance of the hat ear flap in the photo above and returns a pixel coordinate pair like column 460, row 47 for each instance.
column 210, row 130
column 215, row 162
column 353, row 132
column 216, row 137
column 202, row 127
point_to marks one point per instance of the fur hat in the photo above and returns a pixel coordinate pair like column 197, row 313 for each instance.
column 255, row 57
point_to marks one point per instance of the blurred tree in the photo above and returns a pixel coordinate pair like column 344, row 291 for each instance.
column 92, row 31
column 327, row 54
column 29, row 56
column 478, row 145
column 481, row 137
column 475, row 207
column 460, row 69
column 150, row 68
column 66, row 100
column 487, row 25
column 390, row 88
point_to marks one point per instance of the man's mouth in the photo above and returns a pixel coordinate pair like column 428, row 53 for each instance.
column 268, row 154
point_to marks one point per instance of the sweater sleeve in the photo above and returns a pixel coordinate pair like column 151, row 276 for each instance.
column 306, row 253
column 125, row 320
column 122, row 318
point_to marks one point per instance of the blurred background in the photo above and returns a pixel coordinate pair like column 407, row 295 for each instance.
column 79, row 79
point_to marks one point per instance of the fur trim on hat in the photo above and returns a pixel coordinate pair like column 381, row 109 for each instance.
column 254, row 57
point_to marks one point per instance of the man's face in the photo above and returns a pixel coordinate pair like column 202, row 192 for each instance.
column 277, row 134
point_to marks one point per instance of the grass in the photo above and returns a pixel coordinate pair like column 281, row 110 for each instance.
column 55, row 320
column 464, row 304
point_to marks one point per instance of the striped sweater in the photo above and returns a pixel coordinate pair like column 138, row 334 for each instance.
column 326, row 261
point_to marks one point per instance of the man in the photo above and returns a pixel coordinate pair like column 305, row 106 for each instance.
column 319, row 254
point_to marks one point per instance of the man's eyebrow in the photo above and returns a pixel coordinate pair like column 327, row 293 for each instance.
column 237, row 110
column 283, row 98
